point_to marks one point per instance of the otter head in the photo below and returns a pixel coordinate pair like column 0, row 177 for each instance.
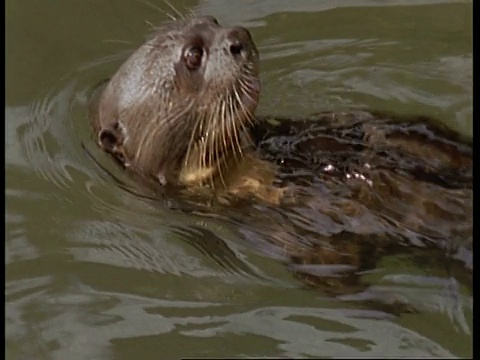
column 179, row 107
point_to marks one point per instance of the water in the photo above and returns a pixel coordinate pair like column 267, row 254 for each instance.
column 94, row 271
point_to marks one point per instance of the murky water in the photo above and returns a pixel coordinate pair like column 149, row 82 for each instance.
column 95, row 271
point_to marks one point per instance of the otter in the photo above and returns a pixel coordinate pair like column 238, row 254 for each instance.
column 180, row 108
column 181, row 112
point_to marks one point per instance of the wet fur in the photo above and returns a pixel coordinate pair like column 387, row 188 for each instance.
column 173, row 133
column 179, row 126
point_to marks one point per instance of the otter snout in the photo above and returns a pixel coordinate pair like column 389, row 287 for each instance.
column 239, row 43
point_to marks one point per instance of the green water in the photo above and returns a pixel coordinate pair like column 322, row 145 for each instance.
column 95, row 272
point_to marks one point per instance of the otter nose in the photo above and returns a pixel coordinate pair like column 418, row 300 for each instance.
column 239, row 42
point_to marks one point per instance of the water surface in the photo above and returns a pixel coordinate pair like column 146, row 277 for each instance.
column 94, row 271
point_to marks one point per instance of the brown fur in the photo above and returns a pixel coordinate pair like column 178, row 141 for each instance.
column 186, row 126
column 195, row 128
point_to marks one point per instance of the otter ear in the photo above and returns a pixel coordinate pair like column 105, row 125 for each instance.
column 111, row 137
column 108, row 139
column 111, row 140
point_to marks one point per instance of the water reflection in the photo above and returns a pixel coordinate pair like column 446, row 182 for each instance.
column 87, row 316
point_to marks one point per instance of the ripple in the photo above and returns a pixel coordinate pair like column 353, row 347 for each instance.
column 124, row 270
column 102, row 318
column 42, row 150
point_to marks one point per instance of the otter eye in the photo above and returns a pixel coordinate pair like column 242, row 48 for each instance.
column 193, row 58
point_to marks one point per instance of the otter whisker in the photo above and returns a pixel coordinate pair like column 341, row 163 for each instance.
column 206, row 150
column 191, row 143
column 226, row 136
column 218, row 152
column 225, row 128
column 152, row 131
column 229, row 126
column 236, row 138
column 201, row 147
column 246, row 89
column 158, row 9
column 175, row 10
column 214, row 151
column 212, row 135
column 245, row 111
column 247, row 116
column 211, row 138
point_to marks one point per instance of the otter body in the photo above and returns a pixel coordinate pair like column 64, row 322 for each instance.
column 180, row 111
